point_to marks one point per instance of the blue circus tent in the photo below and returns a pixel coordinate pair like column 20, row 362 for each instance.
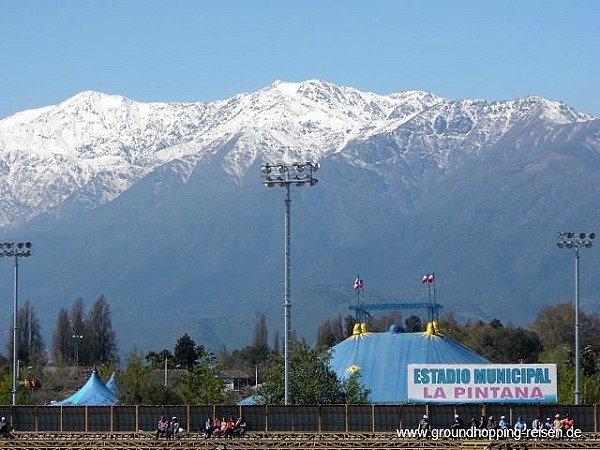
column 93, row 393
column 382, row 359
column 111, row 384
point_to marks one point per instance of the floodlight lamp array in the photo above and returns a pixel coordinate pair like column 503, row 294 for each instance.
column 575, row 240
column 19, row 249
column 283, row 175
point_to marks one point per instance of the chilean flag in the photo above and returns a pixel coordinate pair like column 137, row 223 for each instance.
column 358, row 283
column 428, row 278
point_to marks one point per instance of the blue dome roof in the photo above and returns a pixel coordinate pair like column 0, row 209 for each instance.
column 382, row 360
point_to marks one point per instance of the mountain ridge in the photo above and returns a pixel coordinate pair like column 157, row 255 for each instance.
column 77, row 141
column 160, row 207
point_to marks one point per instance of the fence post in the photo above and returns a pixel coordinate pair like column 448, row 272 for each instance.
column 320, row 419
column 266, row 418
column 372, row 418
column 346, row 416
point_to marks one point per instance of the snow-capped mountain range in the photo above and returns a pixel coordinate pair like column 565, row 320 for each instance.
column 159, row 206
column 95, row 146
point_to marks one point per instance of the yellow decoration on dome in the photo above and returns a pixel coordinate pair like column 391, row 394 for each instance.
column 353, row 368
column 359, row 328
column 431, row 329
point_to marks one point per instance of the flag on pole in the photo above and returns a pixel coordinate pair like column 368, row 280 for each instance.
column 425, row 279
column 358, row 283
column 428, row 278
column 431, row 278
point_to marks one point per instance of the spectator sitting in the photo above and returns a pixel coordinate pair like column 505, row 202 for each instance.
column 216, row 428
column 548, row 424
column 5, row 428
column 457, row 424
column 173, row 428
column 520, row 424
column 537, row 423
column 424, row 426
column 230, row 424
column 223, row 430
column 208, row 428
column 162, row 427
column 482, row 423
column 568, row 422
column 239, row 428
column 473, row 422
column 557, row 424
column 503, row 423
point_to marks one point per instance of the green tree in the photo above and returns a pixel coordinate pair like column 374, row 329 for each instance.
column 261, row 336
column 276, row 346
column 200, row 385
column 31, row 347
column 325, row 336
column 354, row 393
column 157, row 360
column 185, row 352
column 505, row 344
column 555, row 326
column 24, row 396
column 494, row 341
column 62, row 338
column 99, row 343
column 138, row 386
column 413, row 324
column 349, row 322
column 331, row 332
column 312, row 381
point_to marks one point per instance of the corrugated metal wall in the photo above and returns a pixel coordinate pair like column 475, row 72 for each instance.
column 325, row 418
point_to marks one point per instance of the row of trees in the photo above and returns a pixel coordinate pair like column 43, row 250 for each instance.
column 85, row 337
column 89, row 336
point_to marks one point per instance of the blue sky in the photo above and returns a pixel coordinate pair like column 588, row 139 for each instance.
column 208, row 50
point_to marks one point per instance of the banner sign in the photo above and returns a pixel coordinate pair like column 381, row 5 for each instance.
column 482, row 383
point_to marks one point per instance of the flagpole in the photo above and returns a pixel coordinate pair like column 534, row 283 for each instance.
column 434, row 300
column 362, row 303
column 429, row 288
column 360, row 312
column 358, row 286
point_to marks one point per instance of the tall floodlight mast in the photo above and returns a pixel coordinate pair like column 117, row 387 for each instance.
column 286, row 175
column 576, row 241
